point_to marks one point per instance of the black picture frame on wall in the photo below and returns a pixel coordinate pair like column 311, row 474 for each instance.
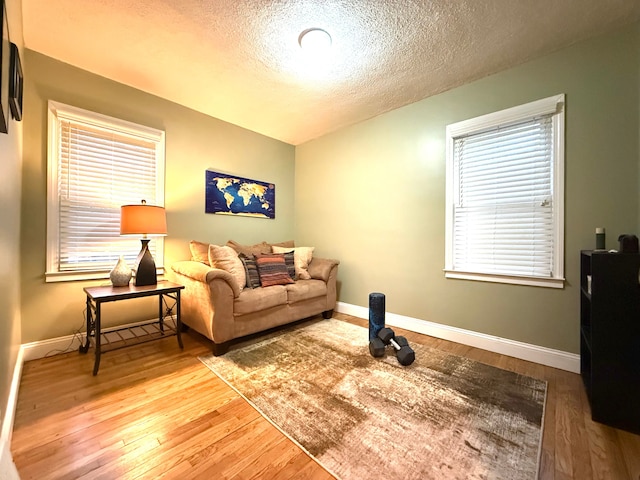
column 5, row 54
column 16, row 83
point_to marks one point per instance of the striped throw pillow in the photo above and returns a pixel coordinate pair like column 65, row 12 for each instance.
column 291, row 265
column 251, row 270
column 272, row 269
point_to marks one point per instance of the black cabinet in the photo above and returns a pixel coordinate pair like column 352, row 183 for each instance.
column 610, row 336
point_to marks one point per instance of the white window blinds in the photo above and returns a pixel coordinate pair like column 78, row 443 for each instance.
column 503, row 219
column 505, row 206
column 96, row 165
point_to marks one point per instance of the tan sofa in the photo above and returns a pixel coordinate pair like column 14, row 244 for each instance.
column 214, row 305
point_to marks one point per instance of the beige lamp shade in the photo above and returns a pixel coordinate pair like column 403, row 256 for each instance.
column 142, row 219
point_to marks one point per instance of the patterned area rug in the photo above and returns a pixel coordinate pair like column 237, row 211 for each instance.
column 443, row 417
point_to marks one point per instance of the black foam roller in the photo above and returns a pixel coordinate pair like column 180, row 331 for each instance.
column 376, row 314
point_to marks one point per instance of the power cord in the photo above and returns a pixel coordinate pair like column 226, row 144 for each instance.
column 77, row 337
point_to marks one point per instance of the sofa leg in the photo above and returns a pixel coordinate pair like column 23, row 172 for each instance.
column 327, row 314
column 220, row 348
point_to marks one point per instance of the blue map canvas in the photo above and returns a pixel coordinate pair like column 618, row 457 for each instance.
column 228, row 195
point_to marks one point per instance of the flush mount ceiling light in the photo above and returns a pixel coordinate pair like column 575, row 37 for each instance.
column 315, row 40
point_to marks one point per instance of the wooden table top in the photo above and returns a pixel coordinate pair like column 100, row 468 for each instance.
column 106, row 293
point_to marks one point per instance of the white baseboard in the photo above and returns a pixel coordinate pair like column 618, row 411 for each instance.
column 6, row 429
column 8, row 470
column 524, row 351
column 71, row 343
column 41, row 349
column 51, row 346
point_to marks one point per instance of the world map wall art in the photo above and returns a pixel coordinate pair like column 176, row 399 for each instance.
column 229, row 195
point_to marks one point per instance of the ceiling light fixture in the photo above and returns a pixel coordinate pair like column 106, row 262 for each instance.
column 315, row 40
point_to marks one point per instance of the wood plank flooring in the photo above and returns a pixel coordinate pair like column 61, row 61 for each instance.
column 154, row 411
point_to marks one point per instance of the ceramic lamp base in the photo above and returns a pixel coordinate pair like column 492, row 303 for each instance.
column 145, row 266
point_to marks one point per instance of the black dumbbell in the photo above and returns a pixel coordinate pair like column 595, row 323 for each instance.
column 404, row 353
column 376, row 347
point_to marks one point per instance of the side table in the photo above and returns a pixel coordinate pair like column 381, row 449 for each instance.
column 168, row 294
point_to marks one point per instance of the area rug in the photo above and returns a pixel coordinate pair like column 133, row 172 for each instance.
column 443, row 417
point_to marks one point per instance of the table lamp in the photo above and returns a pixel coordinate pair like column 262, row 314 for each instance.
column 143, row 220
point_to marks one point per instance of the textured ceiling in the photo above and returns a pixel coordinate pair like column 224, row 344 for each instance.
column 239, row 60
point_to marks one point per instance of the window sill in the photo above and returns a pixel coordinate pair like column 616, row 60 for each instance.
column 54, row 277
column 509, row 279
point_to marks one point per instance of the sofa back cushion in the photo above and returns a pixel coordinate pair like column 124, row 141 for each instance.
column 262, row 247
column 199, row 251
column 258, row 248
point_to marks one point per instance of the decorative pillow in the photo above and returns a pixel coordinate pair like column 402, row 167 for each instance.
column 199, row 251
column 272, row 270
column 291, row 265
column 262, row 247
column 226, row 258
column 250, row 270
column 302, row 257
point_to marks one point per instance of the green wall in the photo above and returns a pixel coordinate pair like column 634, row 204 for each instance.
column 194, row 142
column 372, row 195
column 10, row 174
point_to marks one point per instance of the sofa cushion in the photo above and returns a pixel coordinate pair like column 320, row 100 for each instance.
column 305, row 289
column 287, row 244
column 199, row 251
column 262, row 247
column 272, row 269
column 250, row 270
column 302, row 257
column 226, row 258
column 258, row 248
column 257, row 299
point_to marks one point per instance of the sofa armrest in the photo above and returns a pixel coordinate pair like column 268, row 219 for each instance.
column 320, row 268
column 204, row 273
column 207, row 300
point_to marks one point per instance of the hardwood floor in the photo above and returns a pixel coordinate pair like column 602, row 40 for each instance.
column 154, row 411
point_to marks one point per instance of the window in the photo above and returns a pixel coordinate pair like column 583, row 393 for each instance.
column 96, row 164
column 505, row 196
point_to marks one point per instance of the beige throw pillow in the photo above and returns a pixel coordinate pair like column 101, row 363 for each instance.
column 226, row 258
column 301, row 258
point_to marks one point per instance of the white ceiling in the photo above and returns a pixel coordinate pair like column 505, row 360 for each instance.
column 239, row 60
